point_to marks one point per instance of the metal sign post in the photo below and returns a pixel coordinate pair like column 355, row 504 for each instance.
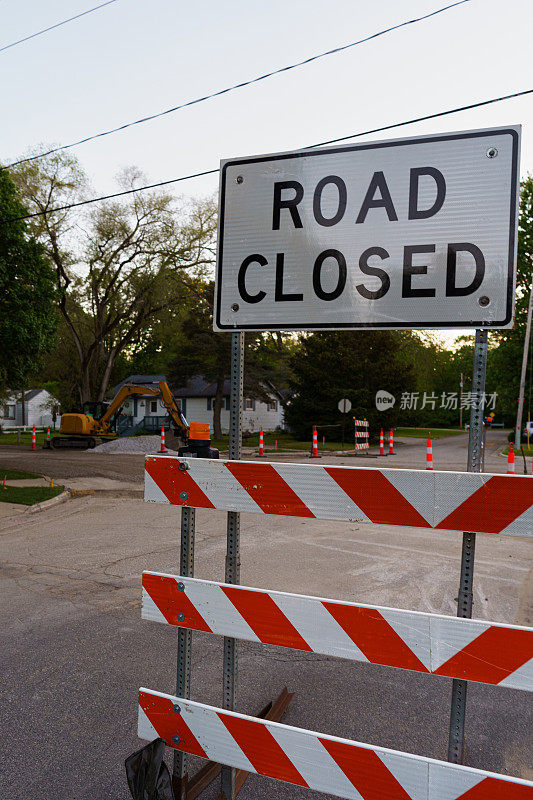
column 183, row 677
column 465, row 598
column 233, row 557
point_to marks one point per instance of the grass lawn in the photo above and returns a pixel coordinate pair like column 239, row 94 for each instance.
column 25, row 438
column 528, row 451
column 28, row 495
column 422, row 433
column 16, row 474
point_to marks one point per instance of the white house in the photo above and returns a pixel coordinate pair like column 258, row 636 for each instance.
column 197, row 398
column 196, row 401
column 40, row 409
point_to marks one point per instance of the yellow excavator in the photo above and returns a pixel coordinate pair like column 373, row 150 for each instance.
column 98, row 419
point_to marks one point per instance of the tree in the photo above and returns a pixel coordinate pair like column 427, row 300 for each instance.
column 328, row 367
column 506, row 347
column 27, row 292
column 118, row 265
column 202, row 351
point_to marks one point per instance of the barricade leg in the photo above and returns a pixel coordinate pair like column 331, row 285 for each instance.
column 233, row 559
column 464, row 600
column 183, row 676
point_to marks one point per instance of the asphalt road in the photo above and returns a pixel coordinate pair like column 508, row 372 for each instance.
column 74, row 650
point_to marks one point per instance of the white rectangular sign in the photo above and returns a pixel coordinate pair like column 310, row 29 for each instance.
column 406, row 233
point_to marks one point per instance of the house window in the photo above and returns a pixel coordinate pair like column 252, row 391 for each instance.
column 273, row 405
column 249, row 404
column 209, row 403
column 9, row 412
column 227, row 406
column 153, row 406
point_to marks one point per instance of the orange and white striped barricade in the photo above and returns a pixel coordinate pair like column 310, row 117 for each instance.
column 261, row 444
column 459, row 501
column 162, row 438
column 327, row 764
column 460, row 648
column 429, row 453
column 358, row 435
column 33, row 439
column 475, row 650
column 511, row 460
column 391, row 443
column 314, row 447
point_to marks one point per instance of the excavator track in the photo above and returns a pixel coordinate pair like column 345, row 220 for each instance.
column 74, row 442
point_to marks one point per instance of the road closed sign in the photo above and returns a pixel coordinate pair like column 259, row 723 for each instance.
column 408, row 233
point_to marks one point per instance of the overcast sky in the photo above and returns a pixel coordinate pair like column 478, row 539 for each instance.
column 134, row 58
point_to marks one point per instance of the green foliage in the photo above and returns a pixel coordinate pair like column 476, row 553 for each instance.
column 202, row 351
column 355, row 365
column 505, row 355
column 120, row 266
column 27, row 293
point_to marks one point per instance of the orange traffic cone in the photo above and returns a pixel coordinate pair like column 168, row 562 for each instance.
column 381, row 444
column 391, row 443
column 162, row 439
column 261, row 444
column 314, row 451
column 429, row 452
column 33, row 438
column 510, row 459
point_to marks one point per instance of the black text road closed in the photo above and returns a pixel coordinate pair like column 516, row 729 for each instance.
column 410, row 233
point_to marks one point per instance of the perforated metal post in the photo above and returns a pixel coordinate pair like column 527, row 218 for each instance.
column 465, row 598
column 233, row 556
column 183, row 675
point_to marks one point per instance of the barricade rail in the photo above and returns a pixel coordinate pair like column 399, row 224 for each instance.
column 324, row 763
column 460, row 501
column 456, row 647
column 474, row 650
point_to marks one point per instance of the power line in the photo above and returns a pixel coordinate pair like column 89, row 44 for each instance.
column 319, row 144
column 235, row 86
column 57, row 25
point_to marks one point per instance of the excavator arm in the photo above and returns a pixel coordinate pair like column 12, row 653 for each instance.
column 131, row 389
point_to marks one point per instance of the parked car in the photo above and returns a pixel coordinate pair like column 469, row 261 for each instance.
column 528, row 430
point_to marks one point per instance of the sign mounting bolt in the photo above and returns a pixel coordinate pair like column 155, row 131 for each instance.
column 239, row 179
column 235, row 307
column 183, row 466
column 176, row 709
column 176, row 739
column 180, row 617
column 183, row 496
column 181, row 587
column 492, row 152
column 484, row 300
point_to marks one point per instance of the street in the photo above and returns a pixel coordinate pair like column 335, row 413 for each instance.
column 75, row 652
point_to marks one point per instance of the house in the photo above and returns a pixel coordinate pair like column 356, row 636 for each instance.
column 197, row 398
column 40, row 407
column 196, row 401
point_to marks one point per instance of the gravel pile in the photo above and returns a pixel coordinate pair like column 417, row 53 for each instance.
column 132, row 444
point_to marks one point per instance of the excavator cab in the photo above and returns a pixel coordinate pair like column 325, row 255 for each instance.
column 95, row 409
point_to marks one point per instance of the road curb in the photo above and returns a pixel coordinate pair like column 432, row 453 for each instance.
column 54, row 501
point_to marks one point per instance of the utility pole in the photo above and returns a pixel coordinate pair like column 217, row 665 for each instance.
column 518, row 430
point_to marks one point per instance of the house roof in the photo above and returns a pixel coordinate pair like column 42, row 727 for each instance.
column 31, row 393
column 199, row 387
column 140, row 380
